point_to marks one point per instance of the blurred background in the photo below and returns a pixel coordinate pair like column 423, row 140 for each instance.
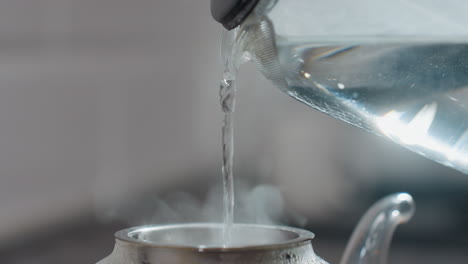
column 110, row 117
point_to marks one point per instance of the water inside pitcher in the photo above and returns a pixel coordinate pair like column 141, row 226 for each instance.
column 398, row 69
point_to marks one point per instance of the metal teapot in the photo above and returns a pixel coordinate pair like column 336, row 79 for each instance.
column 199, row 243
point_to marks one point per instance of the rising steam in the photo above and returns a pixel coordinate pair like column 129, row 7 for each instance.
column 259, row 204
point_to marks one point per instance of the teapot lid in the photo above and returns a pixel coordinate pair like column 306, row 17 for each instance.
column 231, row 13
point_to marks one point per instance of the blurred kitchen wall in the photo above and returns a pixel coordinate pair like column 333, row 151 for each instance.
column 101, row 101
column 101, row 98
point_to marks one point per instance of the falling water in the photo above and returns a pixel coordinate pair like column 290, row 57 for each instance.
column 233, row 56
column 227, row 98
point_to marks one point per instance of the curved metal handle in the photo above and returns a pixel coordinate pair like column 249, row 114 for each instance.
column 371, row 239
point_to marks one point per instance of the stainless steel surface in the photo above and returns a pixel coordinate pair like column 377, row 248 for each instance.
column 172, row 244
column 248, row 243
column 209, row 235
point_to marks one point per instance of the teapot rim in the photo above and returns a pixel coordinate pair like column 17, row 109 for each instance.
column 131, row 235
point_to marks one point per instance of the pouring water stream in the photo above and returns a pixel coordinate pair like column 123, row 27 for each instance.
column 233, row 55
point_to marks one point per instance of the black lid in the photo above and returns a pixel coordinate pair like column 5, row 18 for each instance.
column 231, row 13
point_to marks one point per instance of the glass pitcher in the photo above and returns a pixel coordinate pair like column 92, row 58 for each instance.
column 398, row 69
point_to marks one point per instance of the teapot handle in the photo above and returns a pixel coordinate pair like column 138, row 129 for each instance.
column 371, row 239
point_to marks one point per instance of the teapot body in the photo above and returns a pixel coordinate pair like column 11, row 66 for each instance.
column 192, row 243
column 204, row 243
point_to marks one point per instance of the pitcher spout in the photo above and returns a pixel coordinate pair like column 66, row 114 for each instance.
column 371, row 238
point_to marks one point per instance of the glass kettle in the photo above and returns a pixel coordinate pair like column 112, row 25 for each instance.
column 398, row 69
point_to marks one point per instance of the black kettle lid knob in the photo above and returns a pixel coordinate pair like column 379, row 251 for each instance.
column 231, row 13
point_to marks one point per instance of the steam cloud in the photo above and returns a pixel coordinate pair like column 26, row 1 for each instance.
column 259, row 204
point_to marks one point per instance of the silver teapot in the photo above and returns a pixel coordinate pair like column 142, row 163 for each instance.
column 199, row 243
